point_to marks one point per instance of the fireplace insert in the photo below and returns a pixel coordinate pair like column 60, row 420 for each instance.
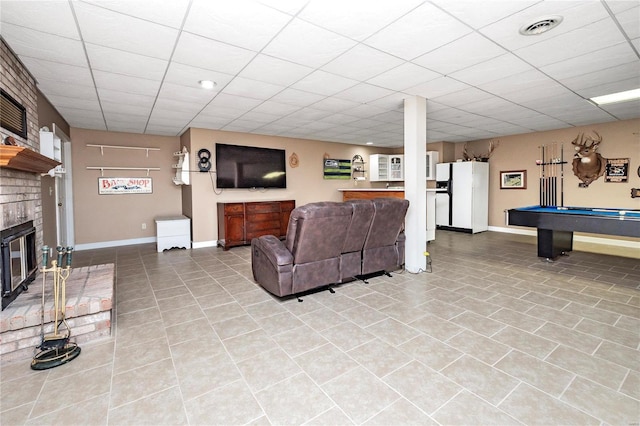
column 18, row 260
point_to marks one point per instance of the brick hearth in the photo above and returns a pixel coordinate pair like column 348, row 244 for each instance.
column 89, row 294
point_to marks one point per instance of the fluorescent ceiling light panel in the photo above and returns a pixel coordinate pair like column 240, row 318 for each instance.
column 613, row 98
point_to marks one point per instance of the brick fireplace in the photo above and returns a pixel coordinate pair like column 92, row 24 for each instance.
column 18, row 265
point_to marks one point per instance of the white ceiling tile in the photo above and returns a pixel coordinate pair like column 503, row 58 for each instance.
column 364, row 110
column 251, row 88
column 623, row 110
column 491, row 70
column 334, row 104
column 169, row 13
column 36, row 44
column 125, row 127
column 324, row 83
column 340, row 18
column 272, row 107
column 290, row 7
column 86, row 123
column 273, row 70
column 239, row 22
column 123, row 83
column 90, row 104
column 592, row 38
column 479, row 14
column 296, row 97
column 363, row 93
column 260, row 117
column 307, row 44
column 350, row 63
column 121, row 62
column 607, row 87
column 52, row 17
column 602, row 59
column 209, row 54
column 194, row 95
column 189, row 76
column 106, row 28
column 515, row 82
column 308, row 114
column 126, row 108
column 52, row 88
column 208, row 122
column 240, row 103
column 625, row 77
column 240, row 126
column 576, row 14
column 175, row 108
column 63, row 73
column 437, row 87
column 420, row 31
column 630, row 20
column 116, row 96
column 469, row 50
column 404, row 76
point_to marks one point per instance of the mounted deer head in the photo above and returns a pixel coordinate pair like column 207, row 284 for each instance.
column 469, row 155
column 588, row 165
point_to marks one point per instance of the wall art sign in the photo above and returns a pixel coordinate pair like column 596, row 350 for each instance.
column 617, row 170
column 513, row 179
column 337, row 169
column 138, row 185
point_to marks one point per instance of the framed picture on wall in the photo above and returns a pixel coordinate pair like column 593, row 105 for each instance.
column 513, row 179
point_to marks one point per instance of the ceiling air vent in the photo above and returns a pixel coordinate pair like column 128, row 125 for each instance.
column 541, row 25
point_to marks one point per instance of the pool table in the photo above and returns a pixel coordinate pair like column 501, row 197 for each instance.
column 556, row 225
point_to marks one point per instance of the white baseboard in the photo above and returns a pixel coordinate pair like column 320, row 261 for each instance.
column 203, row 244
column 117, row 243
column 580, row 238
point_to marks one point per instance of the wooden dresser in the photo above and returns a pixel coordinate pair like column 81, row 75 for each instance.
column 239, row 223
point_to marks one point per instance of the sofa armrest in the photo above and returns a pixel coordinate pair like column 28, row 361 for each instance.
column 273, row 249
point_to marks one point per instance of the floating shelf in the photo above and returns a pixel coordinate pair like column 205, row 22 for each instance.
column 103, row 168
column 25, row 159
column 102, row 147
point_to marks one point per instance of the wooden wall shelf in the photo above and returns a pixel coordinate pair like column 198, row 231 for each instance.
column 20, row 158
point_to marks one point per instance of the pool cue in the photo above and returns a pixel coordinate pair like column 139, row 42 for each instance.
column 562, row 175
column 554, row 182
column 541, row 175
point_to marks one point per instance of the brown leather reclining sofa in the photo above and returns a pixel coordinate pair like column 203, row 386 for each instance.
column 330, row 243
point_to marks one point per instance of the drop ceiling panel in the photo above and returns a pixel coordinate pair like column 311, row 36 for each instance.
column 278, row 108
column 367, row 20
column 55, row 71
column 52, row 17
column 251, row 88
column 403, row 77
column 363, row 93
column 296, row 97
column 621, row 53
column 121, row 62
column 630, row 20
column 170, row 14
column 53, row 88
column 478, row 14
column 90, row 104
column 209, row 54
column 306, row 44
column 238, row 22
column 120, row 97
column 423, row 29
column 106, row 28
column 189, row 76
column 324, row 83
column 350, row 63
column 492, row 70
column 36, row 44
column 123, row 83
column 273, row 70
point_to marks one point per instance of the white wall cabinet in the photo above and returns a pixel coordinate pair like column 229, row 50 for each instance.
column 387, row 168
column 173, row 232
column 432, row 160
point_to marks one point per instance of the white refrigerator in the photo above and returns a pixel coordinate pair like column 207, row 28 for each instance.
column 462, row 200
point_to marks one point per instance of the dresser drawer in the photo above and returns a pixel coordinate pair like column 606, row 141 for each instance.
column 166, row 243
column 230, row 208
column 262, row 208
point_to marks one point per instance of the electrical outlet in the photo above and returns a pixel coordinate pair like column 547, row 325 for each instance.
column 144, row 226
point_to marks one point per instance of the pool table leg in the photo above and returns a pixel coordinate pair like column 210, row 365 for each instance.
column 552, row 243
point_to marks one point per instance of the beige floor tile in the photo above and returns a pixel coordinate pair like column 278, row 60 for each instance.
column 18, row 415
column 568, row 337
column 392, row 331
column 197, row 376
column 325, row 363
column 430, row 352
column 441, row 309
column 379, row 357
column 401, row 412
column 525, row 342
column 360, row 394
column 347, row 335
column 363, row 315
column 21, row 390
column 280, row 323
column 248, row 345
column 264, row 309
column 631, row 385
column 525, row 403
column 224, row 312
column 267, row 368
column 479, row 346
column 590, row 312
column 333, row 416
column 424, row 387
column 134, row 356
column 299, row 340
column 141, row 382
column 540, row 374
column 198, row 329
column 621, row 355
column 588, row 366
column 485, row 381
column 436, row 327
column 478, row 323
column 175, row 302
column 235, row 326
column 611, row 333
column 553, row 315
column 293, row 401
column 232, row 404
column 72, row 389
column 518, row 320
column 319, row 319
column 467, row 409
column 609, row 406
column 93, row 411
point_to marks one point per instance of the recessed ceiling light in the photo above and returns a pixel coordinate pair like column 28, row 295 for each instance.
column 207, row 84
column 613, row 98
column 369, row 143
column 541, row 25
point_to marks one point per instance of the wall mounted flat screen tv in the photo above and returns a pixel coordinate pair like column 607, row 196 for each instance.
column 250, row 167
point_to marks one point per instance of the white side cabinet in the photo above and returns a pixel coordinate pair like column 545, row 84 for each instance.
column 173, row 232
column 386, row 167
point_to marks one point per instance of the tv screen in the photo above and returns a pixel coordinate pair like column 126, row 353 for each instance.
column 250, row 167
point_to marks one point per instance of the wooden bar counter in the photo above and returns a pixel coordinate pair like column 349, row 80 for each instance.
column 369, row 193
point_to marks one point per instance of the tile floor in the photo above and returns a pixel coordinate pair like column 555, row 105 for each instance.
column 492, row 336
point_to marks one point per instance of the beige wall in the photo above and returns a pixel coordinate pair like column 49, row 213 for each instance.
column 305, row 183
column 106, row 218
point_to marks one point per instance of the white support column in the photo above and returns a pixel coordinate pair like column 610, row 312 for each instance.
column 415, row 182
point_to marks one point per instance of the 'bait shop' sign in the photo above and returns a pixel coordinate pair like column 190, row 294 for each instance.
column 141, row 185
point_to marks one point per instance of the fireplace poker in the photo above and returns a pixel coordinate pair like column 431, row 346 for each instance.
column 55, row 348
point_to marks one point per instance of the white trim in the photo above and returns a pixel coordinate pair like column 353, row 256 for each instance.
column 203, row 244
column 579, row 238
column 117, row 243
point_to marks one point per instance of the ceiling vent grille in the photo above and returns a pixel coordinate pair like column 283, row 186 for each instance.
column 541, row 25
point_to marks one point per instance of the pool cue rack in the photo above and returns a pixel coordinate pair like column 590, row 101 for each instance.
column 549, row 173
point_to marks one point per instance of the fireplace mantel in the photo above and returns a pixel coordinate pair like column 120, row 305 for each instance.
column 25, row 159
